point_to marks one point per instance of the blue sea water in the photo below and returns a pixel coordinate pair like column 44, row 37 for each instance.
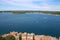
column 42, row 24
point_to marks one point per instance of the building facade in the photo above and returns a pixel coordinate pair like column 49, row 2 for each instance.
column 30, row 36
column 24, row 36
column 36, row 37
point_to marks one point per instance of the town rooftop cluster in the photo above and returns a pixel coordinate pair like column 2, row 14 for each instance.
column 30, row 36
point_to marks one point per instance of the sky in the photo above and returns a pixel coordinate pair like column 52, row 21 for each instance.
column 44, row 5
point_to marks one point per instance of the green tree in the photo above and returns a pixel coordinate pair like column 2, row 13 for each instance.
column 10, row 37
column 0, row 38
column 20, row 37
column 3, row 38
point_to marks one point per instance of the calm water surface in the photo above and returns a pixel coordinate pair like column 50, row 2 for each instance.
column 37, row 23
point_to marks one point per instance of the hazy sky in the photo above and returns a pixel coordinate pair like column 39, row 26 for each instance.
column 50, row 5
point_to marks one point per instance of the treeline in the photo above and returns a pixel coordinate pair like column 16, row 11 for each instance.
column 52, row 12
column 10, row 37
column 23, row 12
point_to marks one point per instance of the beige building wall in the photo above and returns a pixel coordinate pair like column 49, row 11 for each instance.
column 30, row 36
column 13, row 33
column 45, row 38
column 54, row 38
column 24, row 36
column 37, row 37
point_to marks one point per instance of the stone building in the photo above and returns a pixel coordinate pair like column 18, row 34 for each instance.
column 30, row 36
column 24, row 36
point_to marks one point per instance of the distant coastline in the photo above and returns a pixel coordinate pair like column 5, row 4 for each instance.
column 57, row 13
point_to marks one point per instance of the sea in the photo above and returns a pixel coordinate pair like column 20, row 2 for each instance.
column 40, row 24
